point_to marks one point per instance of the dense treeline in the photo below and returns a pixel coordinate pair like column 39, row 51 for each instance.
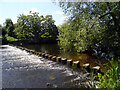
column 36, row 28
column 94, row 26
column 31, row 28
column 91, row 26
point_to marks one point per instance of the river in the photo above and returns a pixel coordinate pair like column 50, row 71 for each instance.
column 54, row 49
column 21, row 69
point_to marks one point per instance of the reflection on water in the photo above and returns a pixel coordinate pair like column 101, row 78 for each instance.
column 53, row 49
column 23, row 70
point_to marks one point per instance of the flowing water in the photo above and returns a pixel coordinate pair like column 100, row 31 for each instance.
column 21, row 69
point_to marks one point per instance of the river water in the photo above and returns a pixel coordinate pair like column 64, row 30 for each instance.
column 21, row 69
column 54, row 49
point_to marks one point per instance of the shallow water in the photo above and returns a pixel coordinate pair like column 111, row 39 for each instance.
column 21, row 69
column 53, row 49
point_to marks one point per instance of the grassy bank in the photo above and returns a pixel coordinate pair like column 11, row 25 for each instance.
column 111, row 78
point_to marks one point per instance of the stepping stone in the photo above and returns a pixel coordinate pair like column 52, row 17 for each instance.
column 87, row 66
column 64, row 61
column 40, row 53
column 43, row 55
column 40, row 57
column 76, row 64
column 37, row 53
column 58, row 59
column 48, row 84
column 50, row 57
column 54, row 58
column 69, row 62
column 96, row 69
column 46, row 56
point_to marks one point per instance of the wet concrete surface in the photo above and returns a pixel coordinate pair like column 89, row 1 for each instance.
column 21, row 69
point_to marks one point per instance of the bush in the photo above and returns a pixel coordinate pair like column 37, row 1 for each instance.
column 11, row 39
column 111, row 79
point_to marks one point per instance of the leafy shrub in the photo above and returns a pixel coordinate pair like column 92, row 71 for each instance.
column 111, row 79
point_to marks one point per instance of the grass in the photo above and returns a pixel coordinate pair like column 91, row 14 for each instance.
column 11, row 39
column 111, row 79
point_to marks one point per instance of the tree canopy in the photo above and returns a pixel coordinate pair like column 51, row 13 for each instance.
column 91, row 25
column 35, row 28
column 9, row 27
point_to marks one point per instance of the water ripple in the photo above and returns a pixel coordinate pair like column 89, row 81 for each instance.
column 24, row 70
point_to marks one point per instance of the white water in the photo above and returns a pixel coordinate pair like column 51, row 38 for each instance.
column 21, row 69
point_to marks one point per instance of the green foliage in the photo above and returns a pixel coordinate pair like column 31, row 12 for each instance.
column 92, row 82
column 94, row 25
column 65, row 36
column 9, row 27
column 75, row 35
column 111, row 79
column 2, row 34
column 35, row 28
column 11, row 39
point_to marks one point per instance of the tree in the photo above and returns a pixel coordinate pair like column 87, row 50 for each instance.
column 50, row 29
column 35, row 28
column 9, row 27
column 3, row 33
column 95, row 24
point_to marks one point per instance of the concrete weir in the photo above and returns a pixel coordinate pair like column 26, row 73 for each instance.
column 69, row 62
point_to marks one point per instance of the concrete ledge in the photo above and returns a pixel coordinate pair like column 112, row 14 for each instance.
column 76, row 64
column 64, row 61
column 54, row 58
column 69, row 62
column 58, row 59
column 86, row 66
